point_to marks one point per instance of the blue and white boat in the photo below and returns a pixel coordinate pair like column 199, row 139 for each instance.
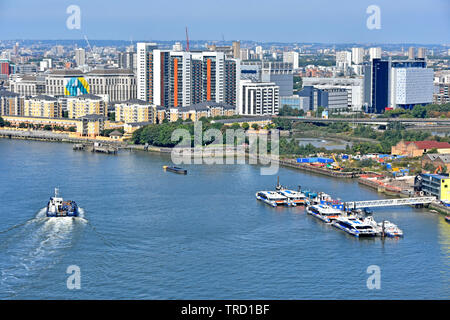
column 57, row 207
column 355, row 227
column 273, row 198
column 295, row 197
column 324, row 212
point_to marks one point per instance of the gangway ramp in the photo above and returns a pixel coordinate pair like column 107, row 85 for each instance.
column 388, row 202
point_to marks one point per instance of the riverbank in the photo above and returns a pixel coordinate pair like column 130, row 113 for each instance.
column 381, row 187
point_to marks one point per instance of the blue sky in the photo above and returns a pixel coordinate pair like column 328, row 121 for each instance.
column 328, row 21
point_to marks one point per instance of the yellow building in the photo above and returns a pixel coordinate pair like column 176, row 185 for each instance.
column 42, row 106
column 159, row 114
column 42, row 121
column 86, row 104
column 437, row 185
column 91, row 125
column 134, row 111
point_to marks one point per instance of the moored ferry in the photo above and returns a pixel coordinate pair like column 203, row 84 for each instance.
column 272, row 198
column 355, row 227
column 296, row 197
column 390, row 229
column 324, row 212
column 57, row 207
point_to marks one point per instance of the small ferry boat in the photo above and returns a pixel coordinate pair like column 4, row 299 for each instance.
column 175, row 169
column 57, row 207
column 390, row 229
column 447, row 218
column 355, row 227
column 324, row 212
column 295, row 197
column 272, row 198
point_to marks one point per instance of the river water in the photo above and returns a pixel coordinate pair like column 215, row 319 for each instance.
column 149, row 234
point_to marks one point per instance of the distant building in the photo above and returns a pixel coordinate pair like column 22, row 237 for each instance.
column 80, row 57
column 418, row 148
column 375, row 53
column 42, row 106
column 411, row 83
column 11, row 104
column 437, row 160
column 331, row 98
column 353, row 86
column 357, row 55
column 441, row 93
column 411, row 53
column 281, row 74
column 291, row 57
column 295, row 102
column 91, row 125
column 421, row 53
column 200, row 110
column 258, row 98
column 134, row 111
column 376, row 86
column 175, row 79
column 86, row 104
column 28, row 85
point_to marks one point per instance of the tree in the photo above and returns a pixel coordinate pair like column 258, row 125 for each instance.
column 255, row 126
column 245, row 126
column 112, row 116
column 235, row 126
column 2, row 122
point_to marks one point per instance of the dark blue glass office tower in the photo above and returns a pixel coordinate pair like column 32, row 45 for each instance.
column 380, row 85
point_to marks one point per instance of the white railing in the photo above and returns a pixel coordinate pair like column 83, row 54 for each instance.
column 389, row 202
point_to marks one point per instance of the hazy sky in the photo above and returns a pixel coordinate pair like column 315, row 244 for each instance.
column 402, row 21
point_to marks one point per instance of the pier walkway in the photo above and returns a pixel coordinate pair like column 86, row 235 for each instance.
column 389, row 202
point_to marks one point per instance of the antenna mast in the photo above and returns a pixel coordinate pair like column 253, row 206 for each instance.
column 187, row 40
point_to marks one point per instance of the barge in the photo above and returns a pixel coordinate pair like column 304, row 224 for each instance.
column 175, row 169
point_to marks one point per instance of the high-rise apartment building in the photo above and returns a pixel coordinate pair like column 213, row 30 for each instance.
column 411, row 53
column 175, row 79
column 11, row 103
column 357, row 55
column 80, row 57
column 375, row 53
column 421, row 53
column 258, row 98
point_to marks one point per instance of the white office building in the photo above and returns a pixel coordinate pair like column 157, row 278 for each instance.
column 258, row 98
column 353, row 86
column 411, row 86
column 291, row 57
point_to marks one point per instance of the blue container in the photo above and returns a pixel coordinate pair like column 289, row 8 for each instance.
column 388, row 166
column 325, row 160
column 344, row 156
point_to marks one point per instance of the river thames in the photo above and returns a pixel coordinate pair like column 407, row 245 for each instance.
column 149, row 234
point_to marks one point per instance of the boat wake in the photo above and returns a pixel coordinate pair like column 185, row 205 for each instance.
column 29, row 249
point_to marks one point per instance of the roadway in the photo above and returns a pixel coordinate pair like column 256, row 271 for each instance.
column 377, row 121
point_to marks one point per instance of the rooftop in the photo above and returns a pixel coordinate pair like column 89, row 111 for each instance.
column 429, row 144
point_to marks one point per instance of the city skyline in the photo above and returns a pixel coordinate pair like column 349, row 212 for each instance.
column 301, row 21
